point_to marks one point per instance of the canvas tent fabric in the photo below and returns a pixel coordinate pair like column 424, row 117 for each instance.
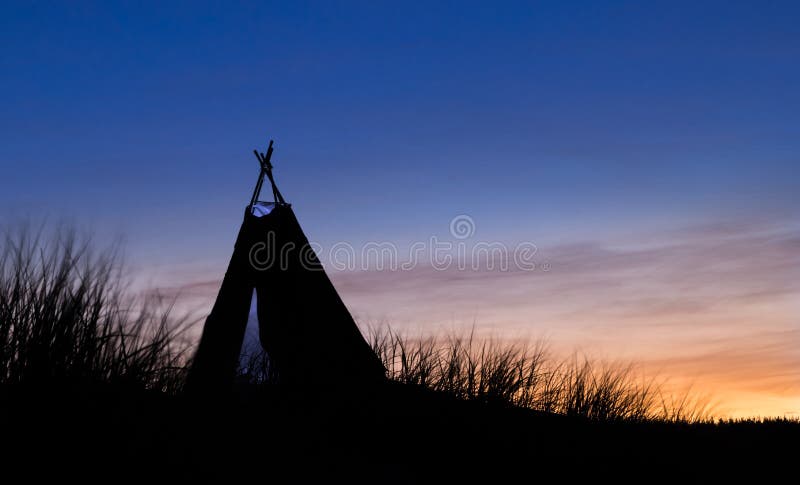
column 308, row 333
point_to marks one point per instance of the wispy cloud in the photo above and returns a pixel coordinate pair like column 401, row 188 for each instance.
column 716, row 304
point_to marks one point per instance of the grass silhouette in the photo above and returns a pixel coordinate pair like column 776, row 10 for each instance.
column 86, row 370
column 492, row 371
column 65, row 318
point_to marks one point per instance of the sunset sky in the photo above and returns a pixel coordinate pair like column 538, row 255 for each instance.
column 649, row 150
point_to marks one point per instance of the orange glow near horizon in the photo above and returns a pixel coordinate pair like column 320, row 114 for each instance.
column 707, row 308
column 710, row 308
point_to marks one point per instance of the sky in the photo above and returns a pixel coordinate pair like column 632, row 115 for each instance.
column 649, row 152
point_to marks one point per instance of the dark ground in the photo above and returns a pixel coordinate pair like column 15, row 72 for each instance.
column 399, row 435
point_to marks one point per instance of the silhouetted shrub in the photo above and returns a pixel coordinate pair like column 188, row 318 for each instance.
column 514, row 374
column 65, row 318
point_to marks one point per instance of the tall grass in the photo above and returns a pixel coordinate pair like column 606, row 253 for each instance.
column 65, row 317
column 515, row 374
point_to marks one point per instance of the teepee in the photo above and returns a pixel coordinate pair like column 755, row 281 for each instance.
column 310, row 337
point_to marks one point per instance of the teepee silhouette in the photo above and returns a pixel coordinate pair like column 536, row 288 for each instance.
column 310, row 337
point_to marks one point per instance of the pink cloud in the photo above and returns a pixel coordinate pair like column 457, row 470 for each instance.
column 715, row 303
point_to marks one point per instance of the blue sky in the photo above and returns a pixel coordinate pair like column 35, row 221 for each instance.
column 605, row 132
column 540, row 119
